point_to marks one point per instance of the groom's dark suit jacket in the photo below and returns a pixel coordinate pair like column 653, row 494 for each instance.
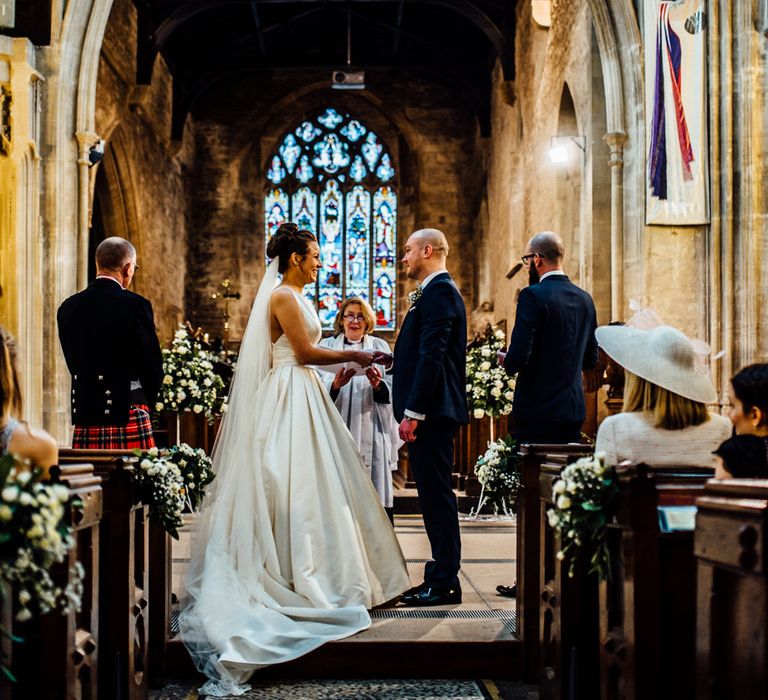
column 108, row 337
column 552, row 342
column 429, row 374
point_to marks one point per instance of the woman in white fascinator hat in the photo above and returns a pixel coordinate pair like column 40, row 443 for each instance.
column 665, row 420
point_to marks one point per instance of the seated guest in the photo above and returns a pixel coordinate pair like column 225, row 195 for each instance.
column 665, row 420
column 16, row 437
column 745, row 455
column 364, row 400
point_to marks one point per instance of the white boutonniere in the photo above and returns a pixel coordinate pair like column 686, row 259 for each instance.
column 415, row 295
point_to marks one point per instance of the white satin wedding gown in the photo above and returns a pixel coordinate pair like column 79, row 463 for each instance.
column 293, row 547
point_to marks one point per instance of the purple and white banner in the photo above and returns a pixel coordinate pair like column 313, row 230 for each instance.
column 677, row 171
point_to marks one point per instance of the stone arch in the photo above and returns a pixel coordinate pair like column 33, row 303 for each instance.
column 69, row 98
column 115, row 201
column 569, row 188
column 618, row 39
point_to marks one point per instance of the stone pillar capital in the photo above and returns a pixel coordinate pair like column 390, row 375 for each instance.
column 85, row 141
column 616, row 141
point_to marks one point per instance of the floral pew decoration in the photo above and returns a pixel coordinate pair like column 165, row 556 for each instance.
column 34, row 537
column 584, row 498
column 499, row 475
column 172, row 481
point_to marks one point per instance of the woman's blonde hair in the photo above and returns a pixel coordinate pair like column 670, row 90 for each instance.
column 10, row 390
column 370, row 322
column 671, row 411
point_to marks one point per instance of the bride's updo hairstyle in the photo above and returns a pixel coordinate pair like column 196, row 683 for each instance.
column 289, row 239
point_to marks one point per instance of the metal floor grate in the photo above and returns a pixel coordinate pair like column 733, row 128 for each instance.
column 507, row 617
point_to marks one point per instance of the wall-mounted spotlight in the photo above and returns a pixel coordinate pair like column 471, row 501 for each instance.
column 561, row 147
column 96, row 152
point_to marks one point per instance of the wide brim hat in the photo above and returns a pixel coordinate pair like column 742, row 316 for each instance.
column 663, row 356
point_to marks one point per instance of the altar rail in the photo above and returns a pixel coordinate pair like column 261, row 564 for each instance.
column 732, row 601
column 648, row 605
column 58, row 657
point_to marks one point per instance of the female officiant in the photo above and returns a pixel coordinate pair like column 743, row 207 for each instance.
column 364, row 400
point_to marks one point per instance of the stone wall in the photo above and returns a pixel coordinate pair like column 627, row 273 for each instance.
column 430, row 134
column 141, row 190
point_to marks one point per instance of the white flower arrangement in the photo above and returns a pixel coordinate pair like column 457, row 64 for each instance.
column 490, row 389
column 190, row 382
column 161, row 487
column 583, row 496
column 34, row 537
column 498, row 474
column 414, row 295
column 196, row 470
column 169, row 480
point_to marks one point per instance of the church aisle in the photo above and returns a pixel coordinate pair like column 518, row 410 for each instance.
column 488, row 559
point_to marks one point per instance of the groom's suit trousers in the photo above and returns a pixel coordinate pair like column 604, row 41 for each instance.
column 431, row 461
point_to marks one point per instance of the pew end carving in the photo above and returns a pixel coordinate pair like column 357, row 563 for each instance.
column 732, row 601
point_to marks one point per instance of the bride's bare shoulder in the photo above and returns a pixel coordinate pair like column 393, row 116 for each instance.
column 281, row 293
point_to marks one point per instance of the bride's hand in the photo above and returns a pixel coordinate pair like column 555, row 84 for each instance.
column 364, row 359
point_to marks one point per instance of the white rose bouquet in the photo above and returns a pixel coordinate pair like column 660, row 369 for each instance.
column 196, row 470
column 497, row 472
column 489, row 389
column 190, row 382
column 583, row 496
column 34, row 537
column 161, row 487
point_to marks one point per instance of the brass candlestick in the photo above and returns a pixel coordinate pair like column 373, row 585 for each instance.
column 227, row 295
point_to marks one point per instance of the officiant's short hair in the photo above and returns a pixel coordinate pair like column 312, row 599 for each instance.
column 370, row 319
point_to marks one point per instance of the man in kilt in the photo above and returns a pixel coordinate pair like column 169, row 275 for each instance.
column 110, row 344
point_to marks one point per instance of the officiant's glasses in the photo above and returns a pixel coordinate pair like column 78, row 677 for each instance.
column 354, row 317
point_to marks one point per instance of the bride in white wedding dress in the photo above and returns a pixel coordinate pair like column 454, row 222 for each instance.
column 292, row 547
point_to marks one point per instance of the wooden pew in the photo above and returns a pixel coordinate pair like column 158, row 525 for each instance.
column 647, row 607
column 732, row 601
column 64, row 647
column 529, row 533
column 124, row 575
column 567, row 607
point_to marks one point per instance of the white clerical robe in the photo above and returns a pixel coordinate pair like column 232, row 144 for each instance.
column 372, row 424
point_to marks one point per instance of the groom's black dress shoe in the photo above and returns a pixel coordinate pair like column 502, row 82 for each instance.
column 415, row 589
column 433, row 596
column 508, row 591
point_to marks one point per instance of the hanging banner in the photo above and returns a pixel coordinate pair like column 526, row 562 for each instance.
column 677, row 169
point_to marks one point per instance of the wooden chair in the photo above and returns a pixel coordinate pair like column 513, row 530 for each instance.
column 66, row 645
column 124, row 576
column 529, row 533
column 647, row 607
column 732, row 578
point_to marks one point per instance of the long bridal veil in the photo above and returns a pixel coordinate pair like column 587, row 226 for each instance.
column 220, row 549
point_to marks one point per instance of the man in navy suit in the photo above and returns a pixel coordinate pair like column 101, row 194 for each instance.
column 552, row 342
column 429, row 400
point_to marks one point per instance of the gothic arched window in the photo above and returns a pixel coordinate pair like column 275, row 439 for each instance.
column 335, row 177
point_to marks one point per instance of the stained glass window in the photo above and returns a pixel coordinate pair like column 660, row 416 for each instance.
column 334, row 176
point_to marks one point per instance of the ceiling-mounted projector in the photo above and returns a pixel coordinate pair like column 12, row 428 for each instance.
column 348, row 80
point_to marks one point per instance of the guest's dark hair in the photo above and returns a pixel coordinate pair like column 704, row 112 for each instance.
column 289, row 239
column 10, row 391
column 750, row 385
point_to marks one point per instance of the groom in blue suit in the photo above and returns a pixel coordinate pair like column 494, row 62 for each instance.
column 429, row 401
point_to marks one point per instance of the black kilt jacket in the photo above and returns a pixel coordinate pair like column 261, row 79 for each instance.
column 108, row 337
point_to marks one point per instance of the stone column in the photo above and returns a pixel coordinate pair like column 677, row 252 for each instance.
column 85, row 141
column 616, row 141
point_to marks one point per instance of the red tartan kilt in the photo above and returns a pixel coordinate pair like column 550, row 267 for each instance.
column 136, row 434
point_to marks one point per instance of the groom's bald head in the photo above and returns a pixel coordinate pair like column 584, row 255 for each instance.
column 433, row 238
